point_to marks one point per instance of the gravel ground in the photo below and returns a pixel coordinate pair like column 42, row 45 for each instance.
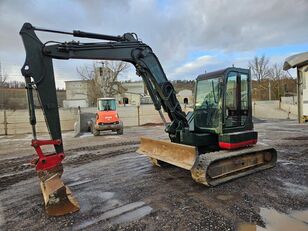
column 119, row 189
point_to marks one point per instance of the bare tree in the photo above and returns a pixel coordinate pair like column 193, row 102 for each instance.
column 3, row 77
column 15, row 84
column 277, row 74
column 110, row 72
column 260, row 67
column 276, row 71
column 103, row 79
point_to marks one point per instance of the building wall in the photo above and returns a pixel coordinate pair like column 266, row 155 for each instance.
column 134, row 93
column 76, row 90
column 135, row 87
column 305, row 90
column 290, row 103
column 77, row 93
column 185, row 94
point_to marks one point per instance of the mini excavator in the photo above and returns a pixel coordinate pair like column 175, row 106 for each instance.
column 216, row 142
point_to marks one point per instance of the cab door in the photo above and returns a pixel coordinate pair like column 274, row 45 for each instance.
column 236, row 101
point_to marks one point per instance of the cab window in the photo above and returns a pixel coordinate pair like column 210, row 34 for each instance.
column 106, row 105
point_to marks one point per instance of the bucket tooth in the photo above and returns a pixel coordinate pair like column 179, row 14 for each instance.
column 58, row 198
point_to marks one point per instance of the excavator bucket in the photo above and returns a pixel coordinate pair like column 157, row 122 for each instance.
column 58, row 198
column 211, row 168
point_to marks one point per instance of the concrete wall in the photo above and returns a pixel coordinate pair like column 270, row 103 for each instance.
column 289, row 104
column 128, row 114
column 75, row 103
column 289, row 100
column 16, row 98
column 18, row 121
column 290, row 108
column 272, row 110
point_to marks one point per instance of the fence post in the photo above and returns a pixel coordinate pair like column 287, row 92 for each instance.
column 5, row 122
column 138, row 114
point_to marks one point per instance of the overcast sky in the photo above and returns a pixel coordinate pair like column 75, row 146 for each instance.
column 188, row 37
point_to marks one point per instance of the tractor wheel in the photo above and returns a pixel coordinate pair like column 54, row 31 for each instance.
column 120, row 131
column 94, row 131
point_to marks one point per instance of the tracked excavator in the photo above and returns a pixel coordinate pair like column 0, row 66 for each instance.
column 216, row 142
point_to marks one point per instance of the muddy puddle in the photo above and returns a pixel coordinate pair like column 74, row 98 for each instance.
column 110, row 211
column 276, row 221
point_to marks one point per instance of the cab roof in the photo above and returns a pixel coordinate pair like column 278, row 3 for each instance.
column 220, row 72
column 107, row 98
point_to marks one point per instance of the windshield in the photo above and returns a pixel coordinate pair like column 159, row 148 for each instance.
column 207, row 94
column 107, row 105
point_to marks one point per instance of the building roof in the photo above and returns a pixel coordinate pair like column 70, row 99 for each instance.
column 297, row 60
column 81, row 80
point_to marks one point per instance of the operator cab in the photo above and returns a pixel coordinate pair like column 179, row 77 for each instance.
column 223, row 107
column 223, row 101
column 106, row 104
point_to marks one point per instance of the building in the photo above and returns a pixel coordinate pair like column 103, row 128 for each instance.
column 133, row 93
column 185, row 97
column 300, row 61
column 76, row 94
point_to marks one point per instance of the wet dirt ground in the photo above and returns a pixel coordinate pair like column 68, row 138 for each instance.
column 119, row 189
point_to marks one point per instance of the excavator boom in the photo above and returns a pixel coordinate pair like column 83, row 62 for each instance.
column 39, row 76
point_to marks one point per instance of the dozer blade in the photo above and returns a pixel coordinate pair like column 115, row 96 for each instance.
column 58, row 198
column 183, row 156
column 211, row 168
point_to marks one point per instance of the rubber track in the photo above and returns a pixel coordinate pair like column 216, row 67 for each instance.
column 199, row 170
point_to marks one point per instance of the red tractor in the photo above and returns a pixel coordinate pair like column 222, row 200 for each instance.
column 107, row 117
